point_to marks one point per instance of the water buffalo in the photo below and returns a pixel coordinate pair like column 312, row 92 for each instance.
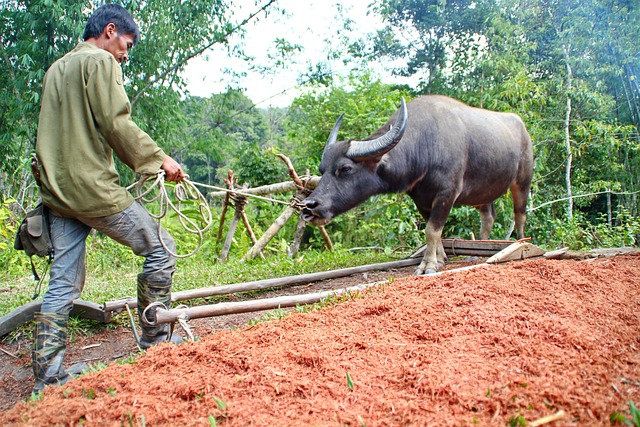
column 439, row 151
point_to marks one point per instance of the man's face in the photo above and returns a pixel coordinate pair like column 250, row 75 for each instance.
column 119, row 46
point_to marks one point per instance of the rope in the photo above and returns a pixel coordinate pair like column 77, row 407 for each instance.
column 240, row 193
column 616, row 193
column 183, row 322
column 185, row 191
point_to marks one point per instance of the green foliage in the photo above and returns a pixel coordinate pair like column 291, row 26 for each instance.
column 444, row 42
column 259, row 166
column 580, row 233
column 219, row 132
column 517, row 420
column 36, row 396
column 13, row 262
column 618, row 417
column 270, row 315
column 388, row 222
column 349, row 381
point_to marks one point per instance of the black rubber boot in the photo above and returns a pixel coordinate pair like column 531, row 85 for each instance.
column 49, row 347
column 148, row 293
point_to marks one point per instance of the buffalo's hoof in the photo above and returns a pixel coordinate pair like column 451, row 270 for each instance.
column 429, row 271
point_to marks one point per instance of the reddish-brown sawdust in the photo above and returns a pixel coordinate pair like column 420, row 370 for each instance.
column 479, row 347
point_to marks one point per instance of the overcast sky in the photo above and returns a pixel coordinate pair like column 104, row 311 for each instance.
column 307, row 23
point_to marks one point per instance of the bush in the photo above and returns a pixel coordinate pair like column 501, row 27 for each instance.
column 579, row 234
column 12, row 262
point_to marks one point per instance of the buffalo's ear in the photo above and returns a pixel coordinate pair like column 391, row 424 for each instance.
column 371, row 163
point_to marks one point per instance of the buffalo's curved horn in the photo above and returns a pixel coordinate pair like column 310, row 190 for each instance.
column 382, row 144
column 333, row 136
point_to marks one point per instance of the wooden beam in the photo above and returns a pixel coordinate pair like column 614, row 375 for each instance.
column 516, row 251
column 455, row 247
column 84, row 309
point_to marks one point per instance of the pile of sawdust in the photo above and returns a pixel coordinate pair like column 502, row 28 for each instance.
column 527, row 339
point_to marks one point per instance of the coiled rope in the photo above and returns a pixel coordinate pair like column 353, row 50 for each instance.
column 184, row 192
column 152, row 189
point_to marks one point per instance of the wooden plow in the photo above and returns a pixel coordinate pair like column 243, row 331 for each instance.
column 104, row 313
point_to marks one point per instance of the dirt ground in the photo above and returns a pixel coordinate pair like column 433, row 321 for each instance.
column 495, row 345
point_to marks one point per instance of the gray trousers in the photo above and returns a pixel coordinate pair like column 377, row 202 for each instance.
column 133, row 227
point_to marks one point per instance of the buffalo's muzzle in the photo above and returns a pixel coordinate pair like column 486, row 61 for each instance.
column 311, row 214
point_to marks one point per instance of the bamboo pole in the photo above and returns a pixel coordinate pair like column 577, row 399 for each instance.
column 252, row 235
column 227, row 197
column 119, row 305
column 295, row 246
column 221, row 309
column 232, row 230
column 270, row 233
column 325, row 236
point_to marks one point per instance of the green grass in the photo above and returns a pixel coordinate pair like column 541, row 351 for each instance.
column 620, row 418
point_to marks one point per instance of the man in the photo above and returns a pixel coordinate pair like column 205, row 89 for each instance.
column 84, row 119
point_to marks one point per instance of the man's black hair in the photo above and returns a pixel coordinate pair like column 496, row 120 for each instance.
column 111, row 13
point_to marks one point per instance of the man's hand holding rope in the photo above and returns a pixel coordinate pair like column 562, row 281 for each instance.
column 172, row 170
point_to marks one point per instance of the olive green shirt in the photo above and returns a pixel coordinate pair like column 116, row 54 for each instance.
column 84, row 119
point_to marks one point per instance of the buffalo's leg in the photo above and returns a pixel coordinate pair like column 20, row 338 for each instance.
column 487, row 218
column 441, row 256
column 433, row 232
column 429, row 262
column 520, row 196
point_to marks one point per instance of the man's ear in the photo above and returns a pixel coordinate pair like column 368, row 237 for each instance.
column 110, row 30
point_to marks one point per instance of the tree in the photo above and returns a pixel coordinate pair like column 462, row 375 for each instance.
column 436, row 39
column 572, row 39
column 33, row 35
column 217, row 131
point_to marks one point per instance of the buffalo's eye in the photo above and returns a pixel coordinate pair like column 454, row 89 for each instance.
column 344, row 170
